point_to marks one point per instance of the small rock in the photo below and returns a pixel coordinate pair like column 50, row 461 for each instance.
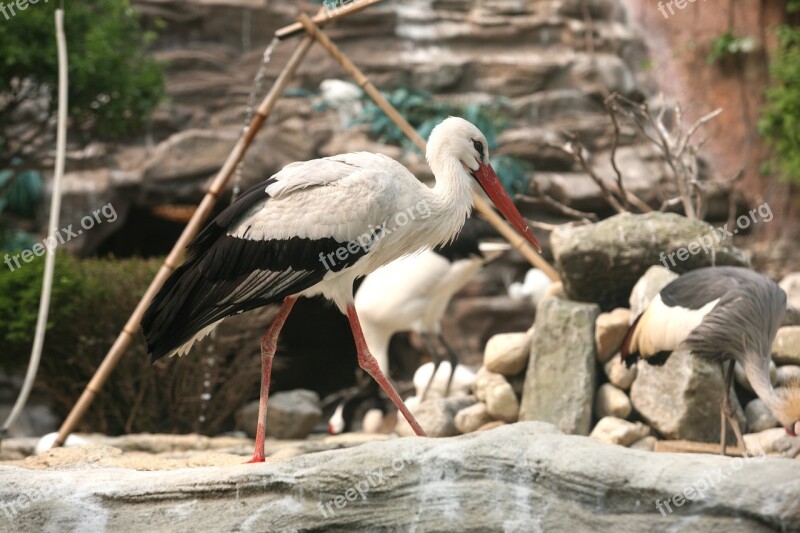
column 484, row 379
column 791, row 286
column 647, row 444
column 612, row 430
column 377, row 423
column 609, row 332
column 759, row 417
column 786, row 374
column 507, row 353
column 618, row 373
column 436, row 416
column 491, row 425
column 471, row 418
column 556, row 290
column 786, row 348
column 655, row 279
column 772, row 442
column 502, row 403
column 611, row 401
column 741, row 377
column 290, row 415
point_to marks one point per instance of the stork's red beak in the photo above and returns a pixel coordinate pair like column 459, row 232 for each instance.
column 491, row 185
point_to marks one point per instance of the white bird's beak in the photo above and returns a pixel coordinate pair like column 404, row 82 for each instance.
column 491, row 185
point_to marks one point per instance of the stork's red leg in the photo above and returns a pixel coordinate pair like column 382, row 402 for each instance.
column 269, row 343
column 370, row 366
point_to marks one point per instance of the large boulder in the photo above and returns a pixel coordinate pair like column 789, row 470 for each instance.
column 681, row 399
column 560, row 381
column 530, row 476
column 601, row 262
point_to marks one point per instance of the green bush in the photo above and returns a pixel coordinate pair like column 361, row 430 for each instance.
column 780, row 122
column 91, row 301
column 114, row 84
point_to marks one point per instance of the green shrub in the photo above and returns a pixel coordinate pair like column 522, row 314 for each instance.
column 780, row 122
column 92, row 299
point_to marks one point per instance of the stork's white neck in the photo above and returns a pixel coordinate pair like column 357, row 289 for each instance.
column 452, row 194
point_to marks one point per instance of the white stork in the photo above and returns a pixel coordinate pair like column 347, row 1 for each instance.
column 313, row 228
column 720, row 314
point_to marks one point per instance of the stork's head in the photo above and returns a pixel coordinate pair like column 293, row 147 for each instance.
column 456, row 139
column 787, row 407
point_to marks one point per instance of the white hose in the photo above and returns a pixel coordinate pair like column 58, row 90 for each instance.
column 55, row 211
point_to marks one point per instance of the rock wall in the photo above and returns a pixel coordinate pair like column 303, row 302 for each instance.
column 525, row 477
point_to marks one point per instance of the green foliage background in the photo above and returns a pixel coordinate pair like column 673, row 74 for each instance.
column 114, row 83
column 91, row 301
column 780, row 122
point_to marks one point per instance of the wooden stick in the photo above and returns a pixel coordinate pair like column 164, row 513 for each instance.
column 326, row 17
column 515, row 239
column 131, row 328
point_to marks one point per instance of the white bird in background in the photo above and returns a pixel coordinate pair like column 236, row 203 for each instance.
column 412, row 294
column 344, row 97
column 533, row 288
column 313, row 228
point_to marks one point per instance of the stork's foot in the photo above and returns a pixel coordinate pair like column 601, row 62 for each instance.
column 256, row 459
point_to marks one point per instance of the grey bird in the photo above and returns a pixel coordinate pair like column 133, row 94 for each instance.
column 723, row 315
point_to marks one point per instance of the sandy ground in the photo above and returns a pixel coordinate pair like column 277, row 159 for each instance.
column 165, row 452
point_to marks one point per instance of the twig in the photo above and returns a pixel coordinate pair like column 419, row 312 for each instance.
column 561, row 208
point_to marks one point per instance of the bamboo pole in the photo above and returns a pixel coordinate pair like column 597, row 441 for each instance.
column 514, row 238
column 173, row 260
column 325, row 17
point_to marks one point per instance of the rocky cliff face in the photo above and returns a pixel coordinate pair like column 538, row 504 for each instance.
column 551, row 62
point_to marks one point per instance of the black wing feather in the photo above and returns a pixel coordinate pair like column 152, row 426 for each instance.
column 225, row 275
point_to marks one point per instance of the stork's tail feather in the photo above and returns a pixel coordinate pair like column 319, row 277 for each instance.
column 174, row 321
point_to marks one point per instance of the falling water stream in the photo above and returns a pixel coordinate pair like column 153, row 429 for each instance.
column 255, row 91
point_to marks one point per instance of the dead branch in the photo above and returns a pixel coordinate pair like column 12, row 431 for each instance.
column 563, row 209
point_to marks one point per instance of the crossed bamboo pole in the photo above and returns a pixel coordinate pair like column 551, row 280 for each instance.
column 204, row 209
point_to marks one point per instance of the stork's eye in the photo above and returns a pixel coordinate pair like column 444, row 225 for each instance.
column 479, row 147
